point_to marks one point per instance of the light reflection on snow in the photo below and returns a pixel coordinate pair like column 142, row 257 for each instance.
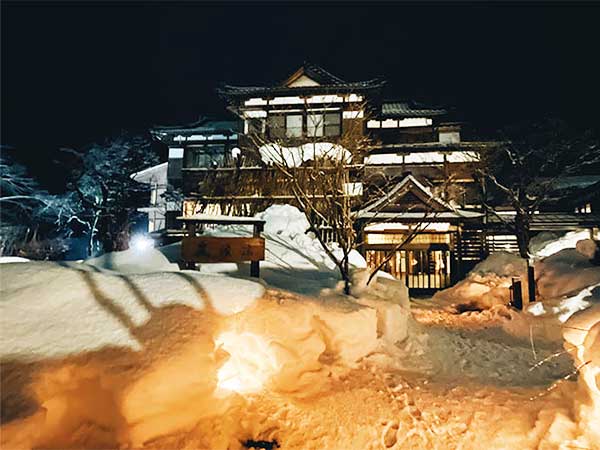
column 250, row 365
column 569, row 306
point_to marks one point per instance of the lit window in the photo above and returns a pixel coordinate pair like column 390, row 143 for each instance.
column 293, row 125
column 154, row 194
column 314, row 125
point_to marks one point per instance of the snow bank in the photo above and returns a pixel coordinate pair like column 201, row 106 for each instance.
column 562, row 274
column 134, row 260
column 582, row 339
column 294, row 259
column 547, row 243
column 565, row 272
column 487, row 284
column 165, row 352
column 12, row 259
column 55, row 310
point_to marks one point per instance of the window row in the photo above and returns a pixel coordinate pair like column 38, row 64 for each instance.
column 208, row 155
column 296, row 125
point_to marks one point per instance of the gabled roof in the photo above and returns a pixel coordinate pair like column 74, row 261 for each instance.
column 323, row 80
column 315, row 73
column 410, row 185
column 409, row 109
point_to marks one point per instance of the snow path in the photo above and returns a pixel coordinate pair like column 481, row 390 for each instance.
column 461, row 387
column 366, row 409
column 475, row 346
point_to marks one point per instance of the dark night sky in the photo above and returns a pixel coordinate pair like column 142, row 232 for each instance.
column 74, row 72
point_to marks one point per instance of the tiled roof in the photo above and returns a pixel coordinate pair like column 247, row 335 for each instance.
column 409, row 109
column 203, row 125
column 326, row 80
column 320, row 75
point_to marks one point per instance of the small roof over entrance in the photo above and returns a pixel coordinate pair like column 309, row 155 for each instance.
column 411, row 200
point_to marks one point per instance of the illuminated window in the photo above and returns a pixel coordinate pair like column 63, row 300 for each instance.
column 293, row 125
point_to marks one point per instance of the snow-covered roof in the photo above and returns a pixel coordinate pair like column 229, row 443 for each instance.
column 220, row 219
column 409, row 109
column 429, row 216
column 398, row 189
column 202, row 126
column 154, row 174
column 294, row 156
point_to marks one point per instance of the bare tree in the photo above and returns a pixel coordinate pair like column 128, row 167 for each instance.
column 29, row 214
column 101, row 179
column 315, row 164
column 524, row 169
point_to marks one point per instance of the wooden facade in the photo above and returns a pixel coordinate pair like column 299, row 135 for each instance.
column 412, row 167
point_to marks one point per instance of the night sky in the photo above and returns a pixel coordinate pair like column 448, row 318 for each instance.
column 75, row 72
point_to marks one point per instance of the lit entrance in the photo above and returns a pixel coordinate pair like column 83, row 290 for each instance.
column 420, row 269
column 424, row 263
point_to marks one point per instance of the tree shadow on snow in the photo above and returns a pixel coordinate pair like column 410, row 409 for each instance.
column 98, row 379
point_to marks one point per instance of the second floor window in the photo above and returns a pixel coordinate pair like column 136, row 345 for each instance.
column 293, row 125
column 208, row 155
column 312, row 124
column 323, row 124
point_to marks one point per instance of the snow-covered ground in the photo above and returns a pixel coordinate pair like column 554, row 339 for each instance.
column 126, row 350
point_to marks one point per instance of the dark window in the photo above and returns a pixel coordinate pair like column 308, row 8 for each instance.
column 208, row 155
column 255, row 126
column 333, row 124
column 276, row 126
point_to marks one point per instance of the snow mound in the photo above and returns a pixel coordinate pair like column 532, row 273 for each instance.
column 294, row 259
column 134, row 261
column 582, row 340
column 565, row 273
column 284, row 220
column 547, row 244
column 55, row 310
column 12, row 259
column 587, row 247
column 487, row 284
column 79, row 336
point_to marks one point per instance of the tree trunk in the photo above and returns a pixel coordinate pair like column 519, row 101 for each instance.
column 522, row 233
column 346, row 275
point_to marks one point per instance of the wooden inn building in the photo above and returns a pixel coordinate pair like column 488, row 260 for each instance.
column 414, row 168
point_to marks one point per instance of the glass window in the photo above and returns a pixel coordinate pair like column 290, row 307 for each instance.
column 293, row 125
column 314, row 125
column 333, row 124
column 210, row 155
column 276, row 126
column 256, row 126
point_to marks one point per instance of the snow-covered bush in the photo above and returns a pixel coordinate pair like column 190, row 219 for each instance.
column 487, row 284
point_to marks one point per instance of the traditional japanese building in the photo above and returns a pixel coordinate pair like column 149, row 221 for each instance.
column 413, row 170
column 199, row 147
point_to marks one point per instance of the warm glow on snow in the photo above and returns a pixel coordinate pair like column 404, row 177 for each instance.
column 250, row 365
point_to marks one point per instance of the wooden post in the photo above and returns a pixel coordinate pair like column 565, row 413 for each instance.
column 516, row 293
column 255, row 265
column 531, row 281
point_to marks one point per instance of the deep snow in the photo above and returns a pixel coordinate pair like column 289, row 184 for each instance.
column 126, row 351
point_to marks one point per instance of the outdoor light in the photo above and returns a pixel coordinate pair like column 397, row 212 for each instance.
column 141, row 242
column 250, row 365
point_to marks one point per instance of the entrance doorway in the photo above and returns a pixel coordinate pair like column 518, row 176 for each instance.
column 420, row 269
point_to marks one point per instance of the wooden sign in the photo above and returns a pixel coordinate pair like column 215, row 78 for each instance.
column 208, row 249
